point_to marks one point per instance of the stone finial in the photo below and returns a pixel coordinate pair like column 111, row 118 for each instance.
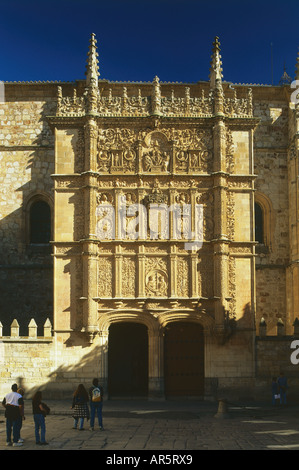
column 32, row 329
column 280, row 327
column 263, row 327
column 92, row 69
column 216, row 79
column 216, row 65
column 59, row 98
column 156, row 97
column 92, row 74
column 47, row 328
column 285, row 78
column 15, row 329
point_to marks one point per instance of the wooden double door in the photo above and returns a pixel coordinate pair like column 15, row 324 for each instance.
column 183, row 360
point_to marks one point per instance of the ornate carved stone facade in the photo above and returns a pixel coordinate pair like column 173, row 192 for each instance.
column 153, row 222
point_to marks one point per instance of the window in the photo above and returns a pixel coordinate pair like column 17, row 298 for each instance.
column 259, row 223
column 264, row 222
column 40, row 223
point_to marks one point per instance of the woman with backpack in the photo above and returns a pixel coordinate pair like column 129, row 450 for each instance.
column 96, row 404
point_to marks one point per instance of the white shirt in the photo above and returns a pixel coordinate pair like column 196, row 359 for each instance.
column 12, row 398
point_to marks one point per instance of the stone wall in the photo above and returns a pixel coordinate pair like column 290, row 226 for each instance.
column 273, row 355
column 271, row 184
column 26, row 165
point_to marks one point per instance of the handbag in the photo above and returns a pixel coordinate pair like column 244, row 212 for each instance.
column 46, row 409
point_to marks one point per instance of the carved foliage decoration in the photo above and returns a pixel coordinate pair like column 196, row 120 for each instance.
column 206, row 202
column 194, row 150
column 116, row 150
column 128, row 276
column 182, row 277
column 105, row 277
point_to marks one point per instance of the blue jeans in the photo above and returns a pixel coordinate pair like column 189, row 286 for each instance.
column 96, row 409
column 76, row 420
column 40, row 425
column 14, row 426
column 283, row 398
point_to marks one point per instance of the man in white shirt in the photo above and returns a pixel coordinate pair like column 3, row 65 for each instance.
column 14, row 409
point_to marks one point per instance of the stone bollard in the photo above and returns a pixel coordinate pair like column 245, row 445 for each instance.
column 222, row 409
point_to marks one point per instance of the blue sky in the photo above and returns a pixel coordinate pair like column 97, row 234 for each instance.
column 138, row 39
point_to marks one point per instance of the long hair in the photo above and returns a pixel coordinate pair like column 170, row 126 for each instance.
column 81, row 390
column 37, row 397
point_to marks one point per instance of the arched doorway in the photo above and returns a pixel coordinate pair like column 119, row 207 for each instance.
column 184, row 359
column 128, row 360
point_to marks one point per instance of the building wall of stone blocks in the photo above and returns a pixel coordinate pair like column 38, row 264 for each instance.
column 273, row 355
column 271, row 167
column 56, row 141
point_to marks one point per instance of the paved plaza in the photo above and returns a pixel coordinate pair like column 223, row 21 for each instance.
column 174, row 426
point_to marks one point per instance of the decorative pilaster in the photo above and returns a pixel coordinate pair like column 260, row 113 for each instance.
column 220, row 190
column 89, row 245
column 90, row 283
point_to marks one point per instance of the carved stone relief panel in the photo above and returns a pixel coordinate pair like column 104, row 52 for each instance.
column 128, row 276
column 105, row 281
column 156, row 277
column 116, row 150
column 125, row 150
column 128, row 216
column 156, row 153
column 230, row 209
column 193, row 150
column 206, row 273
column 105, row 216
column 183, row 276
column 205, row 227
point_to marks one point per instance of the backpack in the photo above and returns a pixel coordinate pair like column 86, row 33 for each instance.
column 96, row 395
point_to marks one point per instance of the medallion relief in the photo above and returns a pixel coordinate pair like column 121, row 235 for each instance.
column 156, row 278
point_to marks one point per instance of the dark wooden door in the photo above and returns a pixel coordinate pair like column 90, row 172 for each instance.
column 184, row 359
column 128, row 360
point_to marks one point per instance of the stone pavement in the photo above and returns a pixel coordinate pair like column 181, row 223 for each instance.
column 179, row 427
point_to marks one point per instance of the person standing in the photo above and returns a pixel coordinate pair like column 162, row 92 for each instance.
column 283, row 386
column 39, row 410
column 14, row 409
column 80, row 406
column 275, row 391
column 21, row 391
column 96, row 404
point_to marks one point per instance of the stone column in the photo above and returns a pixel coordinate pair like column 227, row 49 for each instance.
column 89, row 244
column 220, row 226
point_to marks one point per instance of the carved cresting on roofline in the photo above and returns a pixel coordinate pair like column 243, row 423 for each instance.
column 157, row 99
column 139, row 105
